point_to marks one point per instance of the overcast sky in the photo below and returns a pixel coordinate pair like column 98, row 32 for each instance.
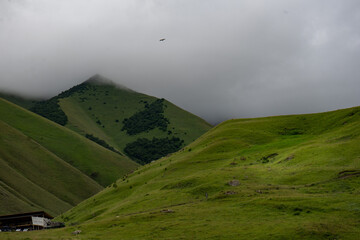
column 221, row 58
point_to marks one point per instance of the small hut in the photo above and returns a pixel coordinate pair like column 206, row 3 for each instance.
column 25, row 221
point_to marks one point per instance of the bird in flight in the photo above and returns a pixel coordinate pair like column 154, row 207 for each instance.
column 162, row 39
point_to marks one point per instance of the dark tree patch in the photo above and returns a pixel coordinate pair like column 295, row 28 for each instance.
column 144, row 150
column 149, row 118
column 51, row 110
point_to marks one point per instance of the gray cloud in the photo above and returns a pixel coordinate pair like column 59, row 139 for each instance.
column 220, row 60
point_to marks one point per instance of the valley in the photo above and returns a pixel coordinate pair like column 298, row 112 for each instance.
column 279, row 177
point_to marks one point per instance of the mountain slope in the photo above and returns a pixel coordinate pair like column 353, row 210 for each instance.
column 100, row 108
column 46, row 166
column 24, row 102
column 286, row 177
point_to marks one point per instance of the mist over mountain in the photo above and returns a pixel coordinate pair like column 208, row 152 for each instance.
column 219, row 59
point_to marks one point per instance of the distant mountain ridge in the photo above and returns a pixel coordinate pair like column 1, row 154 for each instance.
column 118, row 116
column 97, row 79
column 25, row 102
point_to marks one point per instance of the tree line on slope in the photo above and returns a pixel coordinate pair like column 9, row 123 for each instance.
column 101, row 142
column 144, row 150
column 149, row 118
column 51, row 109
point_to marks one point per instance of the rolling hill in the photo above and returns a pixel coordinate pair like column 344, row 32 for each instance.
column 285, row 177
column 24, row 102
column 120, row 116
column 44, row 166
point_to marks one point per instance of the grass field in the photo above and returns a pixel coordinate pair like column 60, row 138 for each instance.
column 286, row 177
column 44, row 166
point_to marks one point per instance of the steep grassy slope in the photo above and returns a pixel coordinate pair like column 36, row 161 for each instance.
column 98, row 107
column 48, row 167
column 287, row 177
column 26, row 103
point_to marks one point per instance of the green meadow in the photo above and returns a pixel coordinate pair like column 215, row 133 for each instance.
column 285, row 177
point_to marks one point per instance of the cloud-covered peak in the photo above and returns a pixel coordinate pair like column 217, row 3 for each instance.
column 98, row 79
column 220, row 60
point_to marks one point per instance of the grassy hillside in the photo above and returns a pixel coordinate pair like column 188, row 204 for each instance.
column 99, row 107
column 24, row 102
column 286, row 177
column 48, row 167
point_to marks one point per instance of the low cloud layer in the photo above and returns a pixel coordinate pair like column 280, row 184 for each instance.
column 220, row 60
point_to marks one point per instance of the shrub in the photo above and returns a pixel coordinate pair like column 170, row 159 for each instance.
column 94, row 175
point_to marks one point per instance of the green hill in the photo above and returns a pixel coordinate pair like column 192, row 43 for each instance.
column 24, row 102
column 286, row 177
column 119, row 116
column 44, row 166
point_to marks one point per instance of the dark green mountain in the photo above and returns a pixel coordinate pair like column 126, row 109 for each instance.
column 140, row 126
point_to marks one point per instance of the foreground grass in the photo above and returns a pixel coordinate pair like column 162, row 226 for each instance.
column 299, row 178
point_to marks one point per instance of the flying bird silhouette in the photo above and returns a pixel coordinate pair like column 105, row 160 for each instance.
column 163, row 39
